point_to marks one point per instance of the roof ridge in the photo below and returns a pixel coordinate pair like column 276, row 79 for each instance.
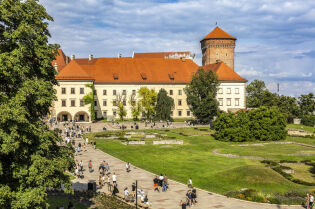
column 218, row 33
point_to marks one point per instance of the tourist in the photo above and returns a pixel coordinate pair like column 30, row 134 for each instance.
column 307, row 203
column 94, row 144
column 189, row 198
column 133, row 189
column 126, row 193
column 106, row 167
column 156, row 184
column 166, row 180
column 194, row 195
column 311, row 204
column 114, row 178
column 115, row 190
column 103, row 180
column 90, row 166
column 161, row 177
column 81, row 165
column 164, row 186
column 189, row 184
column 100, row 181
column 146, row 200
column 183, row 204
column 84, row 147
column 87, row 140
column 127, row 167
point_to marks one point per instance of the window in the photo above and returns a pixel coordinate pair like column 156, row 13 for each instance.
column 179, row 92
column 220, row 91
column 228, row 101
column 104, row 92
column 237, row 102
column 63, row 90
column 95, row 103
column 171, row 92
column 237, row 90
column 179, row 113
column 114, row 92
column 94, row 92
column 228, row 90
column 124, row 92
column 63, row 103
column 114, row 103
column 105, row 114
column 220, row 102
column 179, row 102
column 133, row 92
column 104, row 103
column 81, row 103
column 124, row 102
column 81, row 90
column 72, row 90
column 73, row 103
column 226, row 54
column 188, row 112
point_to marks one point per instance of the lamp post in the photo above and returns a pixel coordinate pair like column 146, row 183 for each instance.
column 136, row 194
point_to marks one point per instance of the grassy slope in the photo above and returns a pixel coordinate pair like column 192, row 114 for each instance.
column 194, row 159
column 302, row 127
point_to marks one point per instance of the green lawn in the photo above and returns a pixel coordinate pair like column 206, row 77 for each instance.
column 302, row 127
column 55, row 202
column 301, row 171
column 211, row 172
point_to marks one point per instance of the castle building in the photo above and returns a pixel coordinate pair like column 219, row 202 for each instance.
column 124, row 76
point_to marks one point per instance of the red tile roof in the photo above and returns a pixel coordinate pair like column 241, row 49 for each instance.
column 60, row 60
column 140, row 70
column 159, row 54
column 218, row 33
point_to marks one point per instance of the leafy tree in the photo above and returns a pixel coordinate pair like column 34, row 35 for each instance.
column 289, row 106
column 147, row 100
column 31, row 157
column 89, row 99
column 307, row 104
column 135, row 107
column 256, row 92
column 201, row 95
column 164, row 106
column 120, row 106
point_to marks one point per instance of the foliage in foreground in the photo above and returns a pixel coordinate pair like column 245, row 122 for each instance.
column 104, row 201
column 264, row 124
column 30, row 159
column 201, row 95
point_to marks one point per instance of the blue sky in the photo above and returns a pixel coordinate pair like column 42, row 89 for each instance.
column 276, row 38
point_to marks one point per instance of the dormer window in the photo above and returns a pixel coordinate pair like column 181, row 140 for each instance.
column 143, row 76
column 115, row 76
column 171, row 76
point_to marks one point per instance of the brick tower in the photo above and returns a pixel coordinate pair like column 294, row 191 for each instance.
column 218, row 45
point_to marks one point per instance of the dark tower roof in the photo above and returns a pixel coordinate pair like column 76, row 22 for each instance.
column 218, row 33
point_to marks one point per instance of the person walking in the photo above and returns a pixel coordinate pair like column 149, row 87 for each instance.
column 94, row 144
column 156, row 184
column 311, row 204
column 115, row 190
column 126, row 194
column 114, row 178
column 183, row 204
column 127, row 167
column 307, row 203
column 90, row 166
column 190, row 184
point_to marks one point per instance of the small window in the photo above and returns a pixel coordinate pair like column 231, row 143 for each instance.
column 228, row 101
column 124, row 102
column 95, row 103
column 143, row 76
column 237, row 90
column 95, row 92
column 124, row 92
column 105, row 114
column 72, row 90
column 171, row 92
column 81, row 90
column 133, row 92
column 63, row 90
column 104, row 92
column 114, row 92
column 220, row 102
column 179, row 113
column 104, row 103
column 226, row 54
column 179, row 102
column 171, row 76
column 228, row 90
column 188, row 112
column 114, row 103
column 72, row 103
column 81, row 103
column 237, row 102
column 220, row 91
column 179, row 92
column 115, row 76
column 63, row 103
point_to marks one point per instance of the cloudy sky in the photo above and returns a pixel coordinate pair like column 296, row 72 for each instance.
column 276, row 38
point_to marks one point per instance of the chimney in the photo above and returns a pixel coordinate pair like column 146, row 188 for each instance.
column 90, row 57
column 133, row 54
column 119, row 55
column 72, row 57
column 56, row 66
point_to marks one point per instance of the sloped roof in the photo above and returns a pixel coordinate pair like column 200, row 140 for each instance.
column 224, row 72
column 218, row 33
column 159, row 54
column 60, row 60
column 140, row 70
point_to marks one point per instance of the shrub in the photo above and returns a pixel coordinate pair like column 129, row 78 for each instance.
column 288, row 161
column 269, row 162
column 308, row 120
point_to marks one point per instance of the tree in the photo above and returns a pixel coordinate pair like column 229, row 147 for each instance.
column 89, row 100
column 135, row 107
column 256, row 92
column 289, row 106
column 147, row 100
column 31, row 158
column 120, row 106
column 164, row 106
column 307, row 104
column 201, row 95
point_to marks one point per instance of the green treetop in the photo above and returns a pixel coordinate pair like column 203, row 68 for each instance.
column 164, row 106
column 147, row 100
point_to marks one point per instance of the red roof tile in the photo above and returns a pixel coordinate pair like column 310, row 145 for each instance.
column 60, row 60
column 218, row 33
column 224, row 72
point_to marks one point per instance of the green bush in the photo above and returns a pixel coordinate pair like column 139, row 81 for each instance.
column 264, row 124
column 308, row 120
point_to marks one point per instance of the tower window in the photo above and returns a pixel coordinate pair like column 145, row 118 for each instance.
column 226, row 54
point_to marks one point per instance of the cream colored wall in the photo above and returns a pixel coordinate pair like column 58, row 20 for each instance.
column 109, row 97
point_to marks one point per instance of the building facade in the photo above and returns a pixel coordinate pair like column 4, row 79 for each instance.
column 124, row 76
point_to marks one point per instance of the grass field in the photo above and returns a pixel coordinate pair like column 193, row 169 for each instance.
column 55, row 202
column 302, row 127
column 209, row 171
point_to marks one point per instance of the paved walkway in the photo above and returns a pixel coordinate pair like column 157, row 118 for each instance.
column 162, row 200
